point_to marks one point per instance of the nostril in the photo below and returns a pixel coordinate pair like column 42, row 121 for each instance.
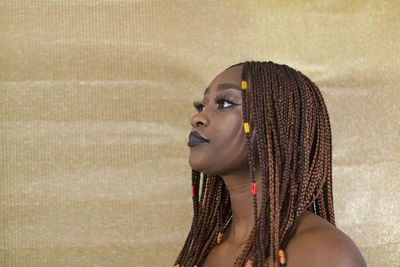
column 199, row 119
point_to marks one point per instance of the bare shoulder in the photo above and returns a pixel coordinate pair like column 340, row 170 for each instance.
column 319, row 243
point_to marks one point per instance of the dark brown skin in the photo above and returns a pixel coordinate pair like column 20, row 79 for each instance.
column 315, row 242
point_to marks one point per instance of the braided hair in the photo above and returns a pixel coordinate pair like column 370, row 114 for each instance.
column 294, row 154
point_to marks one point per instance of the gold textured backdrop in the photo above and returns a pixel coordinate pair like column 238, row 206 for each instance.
column 95, row 107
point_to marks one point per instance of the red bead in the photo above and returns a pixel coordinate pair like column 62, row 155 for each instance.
column 253, row 188
column 193, row 191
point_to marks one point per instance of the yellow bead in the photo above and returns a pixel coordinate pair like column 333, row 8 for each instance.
column 219, row 238
column 246, row 127
column 244, row 85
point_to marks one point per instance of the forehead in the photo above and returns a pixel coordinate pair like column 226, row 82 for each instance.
column 228, row 76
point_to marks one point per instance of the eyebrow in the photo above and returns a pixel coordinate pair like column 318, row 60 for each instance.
column 224, row 86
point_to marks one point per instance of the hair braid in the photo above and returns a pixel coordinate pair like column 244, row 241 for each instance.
column 247, row 114
column 262, row 153
column 273, row 121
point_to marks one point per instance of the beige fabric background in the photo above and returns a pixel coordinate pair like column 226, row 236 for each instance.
column 96, row 98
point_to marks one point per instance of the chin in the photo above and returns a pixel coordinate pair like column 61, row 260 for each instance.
column 200, row 164
column 197, row 165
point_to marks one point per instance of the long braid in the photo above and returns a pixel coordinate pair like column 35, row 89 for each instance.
column 215, row 219
column 193, row 230
column 250, row 154
column 289, row 126
column 288, row 173
column 262, row 153
column 207, row 216
column 247, row 114
column 273, row 149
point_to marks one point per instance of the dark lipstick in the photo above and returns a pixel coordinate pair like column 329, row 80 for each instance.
column 195, row 138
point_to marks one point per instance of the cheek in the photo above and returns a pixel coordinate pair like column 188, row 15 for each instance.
column 232, row 139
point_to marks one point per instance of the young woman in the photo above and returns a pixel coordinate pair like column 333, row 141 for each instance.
column 261, row 141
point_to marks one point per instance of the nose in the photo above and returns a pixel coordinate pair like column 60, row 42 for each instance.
column 199, row 119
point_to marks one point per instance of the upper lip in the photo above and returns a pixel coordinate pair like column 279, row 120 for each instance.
column 197, row 135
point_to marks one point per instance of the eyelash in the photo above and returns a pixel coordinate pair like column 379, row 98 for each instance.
column 220, row 100
column 198, row 106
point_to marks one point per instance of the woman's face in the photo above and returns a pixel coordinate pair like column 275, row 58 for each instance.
column 219, row 121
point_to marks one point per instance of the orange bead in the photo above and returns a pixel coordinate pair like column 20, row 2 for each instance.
column 282, row 257
column 249, row 263
column 219, row 238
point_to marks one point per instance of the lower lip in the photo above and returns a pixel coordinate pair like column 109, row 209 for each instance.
column 195, row 142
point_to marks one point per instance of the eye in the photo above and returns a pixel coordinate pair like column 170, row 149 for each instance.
column 198, row 106
column 223, row 102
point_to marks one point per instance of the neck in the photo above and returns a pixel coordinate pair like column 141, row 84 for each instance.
column 239, row 187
